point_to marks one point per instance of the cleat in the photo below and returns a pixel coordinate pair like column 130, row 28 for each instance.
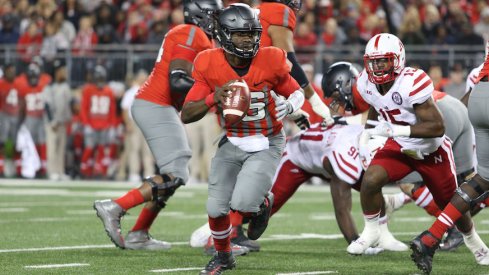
column 388, row 242
column 200, row 236
column 259, row 221
column 238, row 237
column 477, row 247
column 142, row 240
column 368, row 238
column 452, row 241
column 423, row 253
column 220, row 262
column 237, row 250
column 110, row 213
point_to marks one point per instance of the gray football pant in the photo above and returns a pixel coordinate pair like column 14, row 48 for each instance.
column 165, row 135
column 36, row 128
column 241, row 180
column 479, row 116
column 459, row 130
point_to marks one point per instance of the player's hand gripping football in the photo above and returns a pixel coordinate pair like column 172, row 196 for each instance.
column 221, row 93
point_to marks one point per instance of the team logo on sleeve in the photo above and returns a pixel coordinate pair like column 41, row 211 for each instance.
column 396, row 97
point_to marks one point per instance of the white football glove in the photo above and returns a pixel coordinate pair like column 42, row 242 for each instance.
column 282, row 106
column 387, row 129
column 363, row 150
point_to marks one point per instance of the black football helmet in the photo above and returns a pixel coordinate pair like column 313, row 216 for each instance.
column 33, row 74
column 340, row 77
column 293, row 4
column 238, row 18
column 200, row 13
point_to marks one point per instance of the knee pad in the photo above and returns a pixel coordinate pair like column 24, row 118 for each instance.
column 466, row 175
column 481, row 193
column 163, row 187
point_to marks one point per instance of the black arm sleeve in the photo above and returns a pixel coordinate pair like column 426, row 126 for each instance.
column 297, row 73
column 180, row 82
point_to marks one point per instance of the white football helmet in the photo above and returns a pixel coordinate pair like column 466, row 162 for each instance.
column 384, row 58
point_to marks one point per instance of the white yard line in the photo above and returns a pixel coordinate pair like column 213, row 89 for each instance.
column 302, row 236
column 310, row 273
column 56, row 265
column 175, row 269
column 13, row 210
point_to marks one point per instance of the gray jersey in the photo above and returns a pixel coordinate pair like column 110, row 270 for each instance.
column 459, row 130
column 479, row 116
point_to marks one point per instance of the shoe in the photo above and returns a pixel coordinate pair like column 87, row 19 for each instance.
column 238, row 237
column 452, row 241
column 388, row 242
column 142, row 240
column 110, row 213
column 200, row 236
column 392, row 203
column 220, row 261
column 237, row 250
column 477, row 247
column 259, row 222
column 422, row 254
column 368, row 238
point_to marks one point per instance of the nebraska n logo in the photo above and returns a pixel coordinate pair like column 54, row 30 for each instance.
column 438, row 159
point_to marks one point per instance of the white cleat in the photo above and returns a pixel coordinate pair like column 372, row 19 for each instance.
column 368, row 238
column 482, row 256
column 200, row 236
column 389, row 243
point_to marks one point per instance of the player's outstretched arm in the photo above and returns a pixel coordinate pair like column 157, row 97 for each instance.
column 342, row 203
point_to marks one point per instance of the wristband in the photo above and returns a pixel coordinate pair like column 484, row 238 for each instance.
column 209, row 100
column 401, row 131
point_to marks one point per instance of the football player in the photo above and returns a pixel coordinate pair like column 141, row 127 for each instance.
column 155, row 111
column 11, row 103
column 469, row 193
column 402, row 97
column 98, row 114
column 247, row 156
column 278, row 18
column 30, row 86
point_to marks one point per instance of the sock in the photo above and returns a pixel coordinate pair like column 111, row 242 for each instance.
column 445, row 220
column 1, row 164
column 130, row 199
column 371, row 220
column 236, row 218
column 86, row 162
column 473, row 241
column 221, row 231
column 424, row 199
column 41, row 149
column 18, row 163
column 145, row 219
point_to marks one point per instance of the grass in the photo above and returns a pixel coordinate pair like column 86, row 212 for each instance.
column 43, row 214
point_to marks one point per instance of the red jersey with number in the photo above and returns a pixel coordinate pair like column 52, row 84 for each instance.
column 9, row 98
column 98, row 108
column 182, row 42
column 268, row 71
column 275, row 14
column 34, row 102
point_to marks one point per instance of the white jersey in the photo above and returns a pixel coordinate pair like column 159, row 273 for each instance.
column 472, row 77
column 412, row 86
column 339, row 144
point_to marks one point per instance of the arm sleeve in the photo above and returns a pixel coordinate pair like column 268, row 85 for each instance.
column 297, row 72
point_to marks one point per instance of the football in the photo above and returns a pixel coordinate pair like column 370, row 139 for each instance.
column 236, row 106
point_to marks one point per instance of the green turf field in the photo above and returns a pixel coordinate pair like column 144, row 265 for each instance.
column 43, row 224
